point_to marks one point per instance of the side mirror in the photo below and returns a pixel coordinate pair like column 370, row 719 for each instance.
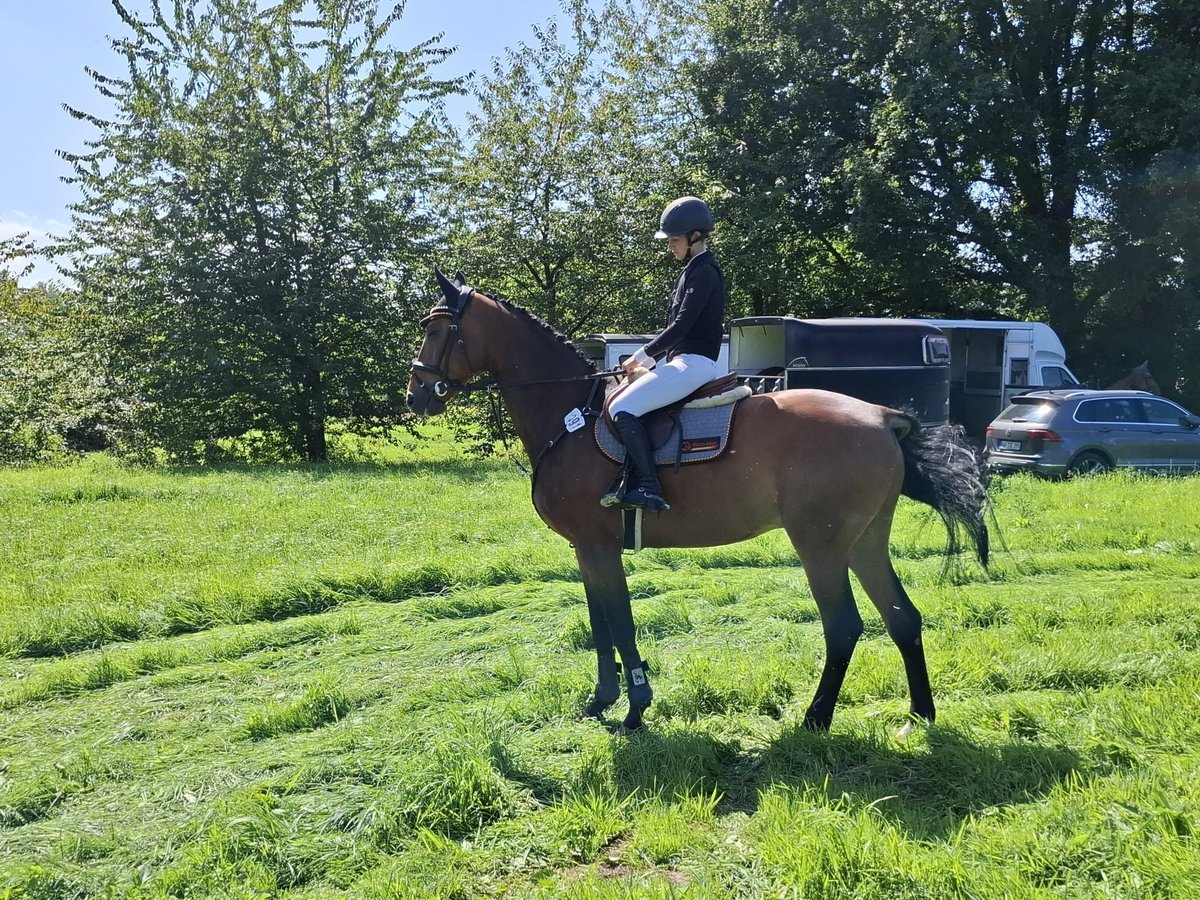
column 1192, row 422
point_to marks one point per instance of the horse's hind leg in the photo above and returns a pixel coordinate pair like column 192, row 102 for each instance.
column 829, row 578
column 872, row 564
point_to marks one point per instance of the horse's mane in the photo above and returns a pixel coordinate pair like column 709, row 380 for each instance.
column 545, row 326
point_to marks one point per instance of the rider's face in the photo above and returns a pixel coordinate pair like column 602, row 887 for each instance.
column 678, row 246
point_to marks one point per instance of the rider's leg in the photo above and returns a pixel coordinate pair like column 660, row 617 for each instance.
column 667, row 383
column 643, row 489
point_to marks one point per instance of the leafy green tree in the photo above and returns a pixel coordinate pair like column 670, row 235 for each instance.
column 253, row 218
column 927, row 151
column 1143, row 293
column 574, row 150
column 53, row 393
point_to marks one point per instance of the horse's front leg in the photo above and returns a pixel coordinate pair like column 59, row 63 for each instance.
column 608, row 687
column 613, row 631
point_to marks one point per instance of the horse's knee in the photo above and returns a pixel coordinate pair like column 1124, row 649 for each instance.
column 841, row 636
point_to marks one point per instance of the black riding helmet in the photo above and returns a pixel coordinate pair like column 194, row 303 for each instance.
column 683, row 216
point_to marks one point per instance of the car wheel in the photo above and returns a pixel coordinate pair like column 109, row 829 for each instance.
column 1089, row 464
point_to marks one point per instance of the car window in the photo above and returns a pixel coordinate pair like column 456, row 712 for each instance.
column 1040, row 412
column 1116, row 409
column 1161, row 412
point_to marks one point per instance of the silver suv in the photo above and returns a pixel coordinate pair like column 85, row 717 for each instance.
column 1080, row 432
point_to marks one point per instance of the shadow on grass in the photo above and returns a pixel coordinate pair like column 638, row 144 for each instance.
column 673, row 762
column 926, row 790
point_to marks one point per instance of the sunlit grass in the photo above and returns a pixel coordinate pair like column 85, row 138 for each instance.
column 361, row 680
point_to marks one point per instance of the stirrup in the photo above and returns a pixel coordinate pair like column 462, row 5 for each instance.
column 612, row 497
column 641, row 498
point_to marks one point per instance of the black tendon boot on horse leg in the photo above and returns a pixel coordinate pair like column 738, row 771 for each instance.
column 643, row 491
column 637, row 685
column 608, row 687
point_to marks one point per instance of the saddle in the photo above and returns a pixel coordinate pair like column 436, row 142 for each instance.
column 694, row 429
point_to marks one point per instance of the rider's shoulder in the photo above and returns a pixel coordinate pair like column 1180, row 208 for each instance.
column 704, row 268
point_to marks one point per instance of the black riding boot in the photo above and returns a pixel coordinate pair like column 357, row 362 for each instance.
column 643, row 490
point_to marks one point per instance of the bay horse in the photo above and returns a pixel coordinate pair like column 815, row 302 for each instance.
column 1136, row 379
column 827, row 468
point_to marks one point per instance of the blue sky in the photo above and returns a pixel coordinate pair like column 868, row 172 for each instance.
column 45, row 45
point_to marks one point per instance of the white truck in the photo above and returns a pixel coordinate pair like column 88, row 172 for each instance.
column 989, row 362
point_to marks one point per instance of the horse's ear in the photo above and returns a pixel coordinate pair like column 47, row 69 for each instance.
column 448, row 287
column 1144, row 367
column 460, row 279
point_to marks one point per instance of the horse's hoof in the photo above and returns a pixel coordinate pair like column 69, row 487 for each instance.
column 596, row 707
column 631, row 725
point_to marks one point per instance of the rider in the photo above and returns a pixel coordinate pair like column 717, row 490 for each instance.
column 691, row 342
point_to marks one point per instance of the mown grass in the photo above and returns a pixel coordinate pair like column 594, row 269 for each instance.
column 361, row 680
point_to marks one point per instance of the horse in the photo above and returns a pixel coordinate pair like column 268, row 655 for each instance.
column 827, row 468
column 1136, row 379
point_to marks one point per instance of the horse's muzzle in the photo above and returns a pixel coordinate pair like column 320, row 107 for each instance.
column 425, row 400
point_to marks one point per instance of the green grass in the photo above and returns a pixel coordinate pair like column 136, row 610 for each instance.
column 360, row 681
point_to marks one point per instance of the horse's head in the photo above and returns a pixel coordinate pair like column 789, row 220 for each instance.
column 441, row 368
column 1144, row 381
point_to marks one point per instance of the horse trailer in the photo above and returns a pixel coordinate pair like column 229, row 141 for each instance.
column 901, row 363
column 943, row 370
column 893, row 362
column 992, row 362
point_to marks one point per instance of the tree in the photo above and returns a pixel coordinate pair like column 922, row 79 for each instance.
column 1143, row 291
column 253, row 216
column 929, row 148
column 53, row 395
column 572, row 155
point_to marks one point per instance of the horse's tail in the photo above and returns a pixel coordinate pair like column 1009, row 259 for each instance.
column 942, row 470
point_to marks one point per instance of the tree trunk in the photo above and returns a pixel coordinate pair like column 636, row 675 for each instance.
column 1053, row 288
column 311, row 414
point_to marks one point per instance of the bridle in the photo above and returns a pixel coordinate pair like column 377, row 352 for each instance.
column 443, row 386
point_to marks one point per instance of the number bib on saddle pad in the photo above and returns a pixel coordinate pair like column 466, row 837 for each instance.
column 705, row 430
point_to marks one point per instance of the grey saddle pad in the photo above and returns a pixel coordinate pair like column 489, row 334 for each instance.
column 705, row 434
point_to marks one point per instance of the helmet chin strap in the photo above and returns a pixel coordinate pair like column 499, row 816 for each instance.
column 692, row 241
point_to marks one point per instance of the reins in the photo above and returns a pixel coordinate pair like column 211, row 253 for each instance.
column 589, row 411
column 486, row 384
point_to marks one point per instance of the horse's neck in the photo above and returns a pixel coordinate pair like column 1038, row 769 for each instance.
column 529, row 353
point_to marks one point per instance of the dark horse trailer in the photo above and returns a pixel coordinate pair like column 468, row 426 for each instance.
column 901, row 363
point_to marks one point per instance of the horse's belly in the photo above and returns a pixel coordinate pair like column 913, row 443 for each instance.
column 713, row 504
column 688, row 531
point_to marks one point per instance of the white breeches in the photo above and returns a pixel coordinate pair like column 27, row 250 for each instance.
column 666, row 383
